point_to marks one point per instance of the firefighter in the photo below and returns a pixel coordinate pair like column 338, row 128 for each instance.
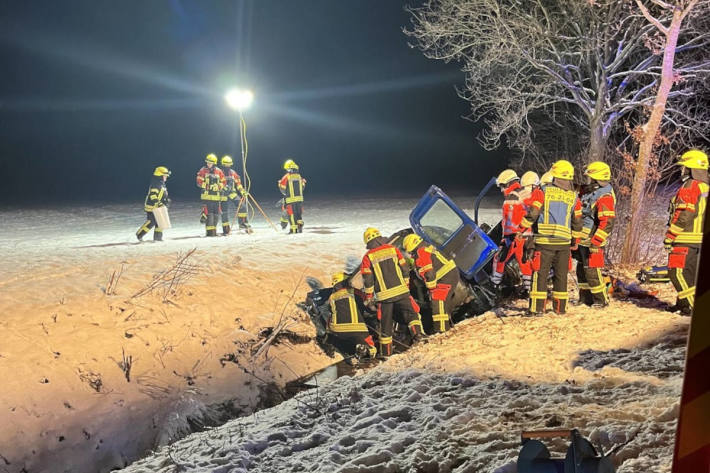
column 558, row 213
column 546, row 179
column 385, row 274
column 232, row 189
column 512, row 244
column 211, row 180
column 291, row 186
column 440, row 276
column 598, row 214
column 346, row 328
column 685, row 228
column 157, row 197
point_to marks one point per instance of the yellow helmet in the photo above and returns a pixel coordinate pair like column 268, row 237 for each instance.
column 411, row 241
column 506, row 177
column 211, row 158
column 694, row 159
column 546, row 179
column 562, row 170
column 598, row 171
column 161, row 171
column 530, row 178
column 290, row 164
column 370, row 234
column 338, row 277
column 227, row 160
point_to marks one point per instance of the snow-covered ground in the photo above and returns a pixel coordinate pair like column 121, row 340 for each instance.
column 91, row 380
column 457, row 402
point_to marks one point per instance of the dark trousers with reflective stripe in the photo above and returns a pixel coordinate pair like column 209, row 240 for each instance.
column 386, row 310
column 682, row 269
column 295, row 216
column 212, row 207
column 150, row 223
column 592, row 288
column 548, row 257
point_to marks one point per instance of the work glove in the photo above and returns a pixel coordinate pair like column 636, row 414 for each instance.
column 668, row 245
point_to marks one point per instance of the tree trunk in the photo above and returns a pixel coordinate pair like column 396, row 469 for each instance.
column 630, row 251
column 597, row 141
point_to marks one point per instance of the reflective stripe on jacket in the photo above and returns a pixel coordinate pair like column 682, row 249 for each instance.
column 383, row 272
column 157, row 194
column 513, row 209
column 233, row 184
column 558, row 213
column 211, row 181
column 346, row 317
column 687, row 213
column 291, row 186
column 598, row 215
column 432, row 265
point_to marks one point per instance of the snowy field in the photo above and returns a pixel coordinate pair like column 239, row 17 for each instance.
column 94, row 375
column 456, row 403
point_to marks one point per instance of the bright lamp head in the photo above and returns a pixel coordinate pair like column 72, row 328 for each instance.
column 239, row 99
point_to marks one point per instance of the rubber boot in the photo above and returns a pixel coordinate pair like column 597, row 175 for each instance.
column 226, row 229
column 157, row 236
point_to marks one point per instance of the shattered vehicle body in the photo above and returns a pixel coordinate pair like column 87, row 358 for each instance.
column 440, row 222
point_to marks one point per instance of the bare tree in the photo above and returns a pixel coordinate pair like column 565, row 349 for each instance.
column 678, row 11
column 578, row 68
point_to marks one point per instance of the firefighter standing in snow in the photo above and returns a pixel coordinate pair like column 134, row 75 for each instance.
column 233, row 195
column 211, row 180
column 157, row 197
column 440, row 276
column 291, row 186
column 346, row 326
column 512, row 245
column 558, row 213
column 385, row 274
column 685, row 228
column 598, row 214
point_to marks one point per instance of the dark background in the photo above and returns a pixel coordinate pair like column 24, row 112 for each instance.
column 95, row 93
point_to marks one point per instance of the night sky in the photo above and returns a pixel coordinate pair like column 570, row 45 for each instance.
column 95, row 93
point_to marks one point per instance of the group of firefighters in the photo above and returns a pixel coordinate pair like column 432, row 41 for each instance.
column 546, row 223
column 221, row 193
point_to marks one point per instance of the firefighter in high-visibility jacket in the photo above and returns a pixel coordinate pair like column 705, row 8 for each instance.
column 558, row 213
column 512, row 244
column 440, row 276
column 291, row 186
column 385, row 274
column 598, row 215
column 346, row 328
column 233, row 195
column 684, row 236
column 157, row 197
column 210, row 179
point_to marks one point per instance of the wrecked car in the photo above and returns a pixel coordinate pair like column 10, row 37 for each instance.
column 440, row 222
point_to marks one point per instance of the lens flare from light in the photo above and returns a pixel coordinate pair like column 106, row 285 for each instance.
column 239, row 99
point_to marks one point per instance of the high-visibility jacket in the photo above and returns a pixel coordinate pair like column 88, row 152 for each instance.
column 558, row 213
column 513, row 209
column 157, row 194
column 232, row 186
column 345, row 314
column 431, row 265
column 687, row 213
column 211, row 181
column 385, row 273
column 291, row 186
column 598, row 215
